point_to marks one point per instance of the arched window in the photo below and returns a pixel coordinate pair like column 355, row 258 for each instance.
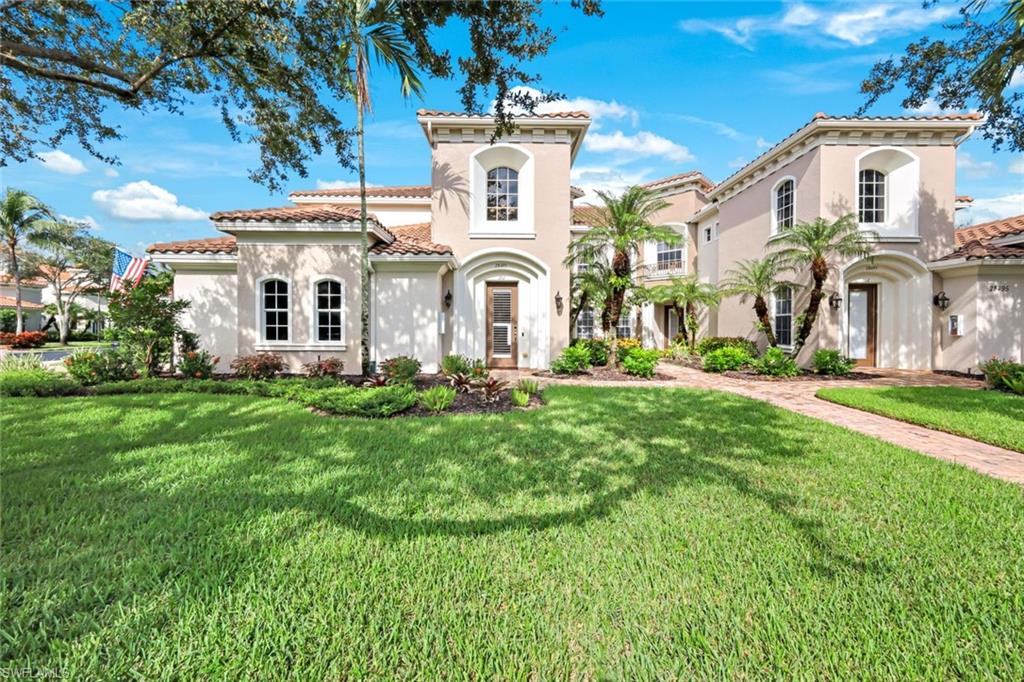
column 328, row 310
column 502, row 194
column 871, row 196
column 784, row 195
column 274, row 305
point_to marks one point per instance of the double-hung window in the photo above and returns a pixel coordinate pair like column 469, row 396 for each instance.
column 669, row 257
column 784, row 316
column 784, row 206
column 275, row 310
column 328, row 310
column 871, row 196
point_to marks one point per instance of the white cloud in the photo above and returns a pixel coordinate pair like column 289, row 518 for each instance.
column 62, row 162
column 88, row 221
column 1017, row 166
column 973, row 167
column 857, row 25
column 994, row 208
column 1017, row 78
column 606, row 179
column 143, row 200
column 340, row 184
column 720, row 128
column 738, row 162
column 598, row 109
column 111, row 173
column 763, row 143
column 641, row 145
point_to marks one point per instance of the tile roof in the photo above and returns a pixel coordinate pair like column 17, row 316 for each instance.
column 977, row 249
column 695, row 176
column 964, row 199
column 576, row 192
column 315, row 214
column 394, row 191
column 586, row 214
column 976, row 241
column 990, row 230
column 461, row 114
column 32, row 282
column 9, row 302
column 209, row 245
column 411, row 240
column 972, row 116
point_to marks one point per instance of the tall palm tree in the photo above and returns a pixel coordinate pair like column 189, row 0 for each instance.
column 816, row 246
column 374, row 33
column 590, row 288
column 21, row 216
column 686, row 296
column 756, row 278
column 620, row 229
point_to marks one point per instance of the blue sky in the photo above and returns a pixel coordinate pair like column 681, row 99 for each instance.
column 672, row 87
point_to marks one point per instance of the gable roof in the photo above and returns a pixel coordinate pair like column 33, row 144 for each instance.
column 412, row 240
column 388, row 192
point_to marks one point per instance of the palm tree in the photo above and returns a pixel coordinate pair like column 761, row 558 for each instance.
column 815, row 246
column 756, row 278
column 686, row 296
column 621, row 227
column 21, row 216
column 373, row 31
column 590, row 288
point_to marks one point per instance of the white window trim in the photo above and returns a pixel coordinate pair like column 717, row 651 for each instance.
column 885, row 198
column 261, row 323
column 314, row 337
column 479, row 226
column 792, row 317
column 774, row 211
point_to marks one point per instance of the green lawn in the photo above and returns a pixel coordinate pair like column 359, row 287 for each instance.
column 989, row 416
column 77, row 344
column 624, row 533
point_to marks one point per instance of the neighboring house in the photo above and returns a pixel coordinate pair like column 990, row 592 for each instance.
column 473, row 262
column 31, row 299
column 89, row 300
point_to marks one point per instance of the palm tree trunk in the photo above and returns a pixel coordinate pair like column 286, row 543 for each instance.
column 364, row 243
column 692, row 317
column 819, row 271
column 19, row 318
column 681, row 316
column 761, row 311
column 621, row 268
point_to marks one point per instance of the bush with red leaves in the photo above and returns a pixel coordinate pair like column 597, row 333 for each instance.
column 23, row 340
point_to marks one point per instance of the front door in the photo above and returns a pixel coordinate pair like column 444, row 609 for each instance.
column 862, row 323
column 502, row 324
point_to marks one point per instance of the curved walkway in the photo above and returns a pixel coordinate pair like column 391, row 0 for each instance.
column 798, row 396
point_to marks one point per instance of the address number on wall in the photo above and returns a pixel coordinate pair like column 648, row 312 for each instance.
column 999, row 287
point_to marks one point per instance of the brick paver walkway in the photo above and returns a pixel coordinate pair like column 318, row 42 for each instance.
column 798, row 396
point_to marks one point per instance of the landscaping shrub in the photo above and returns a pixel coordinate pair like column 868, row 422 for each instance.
column 361, row 402
column 573, row 360
column 726, row 358
column 375, row 381
column 437, row 398
column 599, row 350
column 8, row 320
column 23, row 340
column 459, row 364
column 98, row 366
column 258, row 366
column 401, row 369
column 1004, row 375
column 528, row 386
column 776, row 363
column 625, row 346
column 677, row 351
column 491, row 389
column 831, row 361
column 21, row 361
column 37, row 382
column 641, row 362
column 712, row 343
column 325, row 367
column 197, row 364
column 461, row 382
column 520, row 398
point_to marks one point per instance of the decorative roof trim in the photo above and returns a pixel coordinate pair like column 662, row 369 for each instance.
column 415, row 192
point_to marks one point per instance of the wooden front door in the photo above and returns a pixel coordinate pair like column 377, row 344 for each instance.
column 502, row 324
column 862, row 324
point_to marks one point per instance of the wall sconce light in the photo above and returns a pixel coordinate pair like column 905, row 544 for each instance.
column 559, row 303
column 835, row 301
column 448, row 299
column 941, row 300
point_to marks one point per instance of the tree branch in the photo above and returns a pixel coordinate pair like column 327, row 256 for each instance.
column 26, row 67
column 66, row 57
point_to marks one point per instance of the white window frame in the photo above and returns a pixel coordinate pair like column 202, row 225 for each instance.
column 511, row 175
column 774, row 212
column 791, row 315
column 261, row 310
column 709, row 233
column 885, row 197
column 626, row 314
column 593, row 318
column 314, row 322
column 661, row 248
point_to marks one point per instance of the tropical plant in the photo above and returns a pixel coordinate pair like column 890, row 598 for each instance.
column 23, row 340
column 454, row 363
column 197, row 364
column 528, row 386
column 372, row 32
column 22, row 216
column 620, row 229
column 591, row 287
column 1004, row 374
column 816, row 246
column 626, row 346
column 437, row 398
column 461, row 382
column 16, row 362
column 519, row 398
column 599, row 350
column 324, row 367
column 375, row 381
column 146, row 319
column 686, row 296
column 400, row 369
column 8, row 319
column 259, row 366
column 96, row 367
column 757, row 279
column 831, row 361
column 574, row 359
column 726, row 359
column 776, row 363
column 37, row 382
column 491, row 389
column 711, row 343
column 641, row 362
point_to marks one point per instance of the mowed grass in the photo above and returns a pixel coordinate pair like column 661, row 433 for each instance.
column 988, row 416
column 623, row 533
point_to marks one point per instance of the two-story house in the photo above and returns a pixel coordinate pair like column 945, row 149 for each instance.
column 473, row 263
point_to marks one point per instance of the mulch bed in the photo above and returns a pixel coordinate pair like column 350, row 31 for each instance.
column 803, row 376
column 474, row 403
column 604, row 374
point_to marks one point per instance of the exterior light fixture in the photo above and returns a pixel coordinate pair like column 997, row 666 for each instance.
column 448, row 299
column 559, row 303
column 835, row 301
column 941, row 300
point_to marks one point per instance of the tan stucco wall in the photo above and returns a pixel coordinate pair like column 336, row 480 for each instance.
column 552, row 220
column 213, row 313
column 299, row 263
column 990, row 301
column 407, row 305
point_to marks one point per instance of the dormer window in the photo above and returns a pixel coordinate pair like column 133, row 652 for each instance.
column 871, row 196
column 502, row 194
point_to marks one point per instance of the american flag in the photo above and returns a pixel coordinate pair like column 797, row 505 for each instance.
column 127, row 268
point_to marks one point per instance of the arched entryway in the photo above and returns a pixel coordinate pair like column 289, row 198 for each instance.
column 501, row 309
column 887, row 313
